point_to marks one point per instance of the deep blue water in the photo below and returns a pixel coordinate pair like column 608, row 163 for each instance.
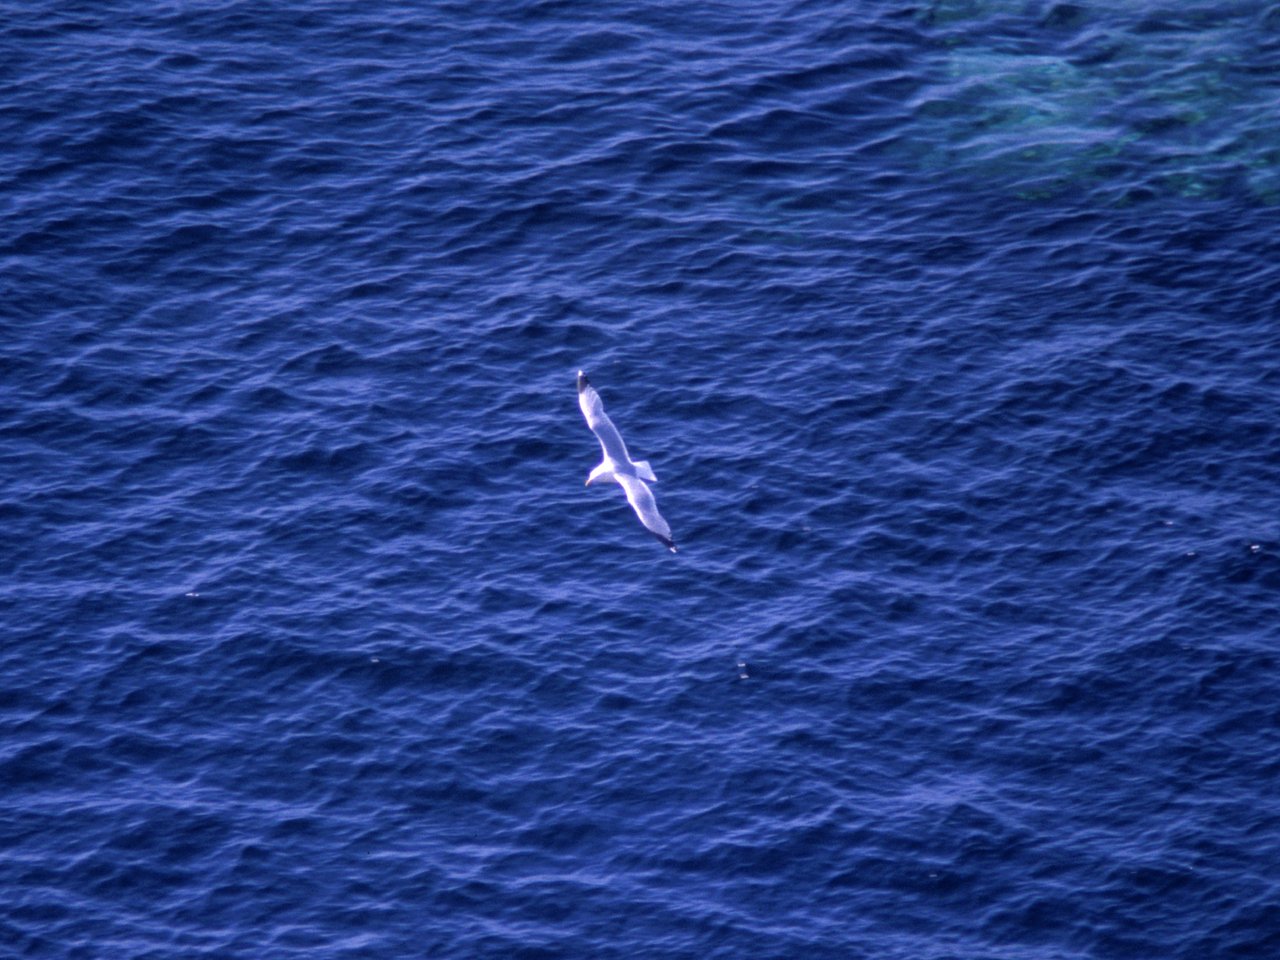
column 952, row 330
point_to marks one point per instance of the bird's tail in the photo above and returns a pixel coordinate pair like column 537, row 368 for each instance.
column 644, row 471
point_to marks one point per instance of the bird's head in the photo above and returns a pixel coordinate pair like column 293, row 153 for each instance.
column 600, row 474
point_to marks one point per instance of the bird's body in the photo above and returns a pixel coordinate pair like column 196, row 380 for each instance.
column 618, row 466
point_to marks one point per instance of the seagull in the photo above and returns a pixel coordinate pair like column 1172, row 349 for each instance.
column 616, row 465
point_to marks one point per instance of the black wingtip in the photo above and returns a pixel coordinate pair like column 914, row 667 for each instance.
column 666, row 542
column 582, row 380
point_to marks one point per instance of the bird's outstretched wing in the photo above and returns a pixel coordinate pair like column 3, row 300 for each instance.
column 641, row 499
column 593, row 409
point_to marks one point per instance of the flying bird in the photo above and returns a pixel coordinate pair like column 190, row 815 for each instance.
column 617, row 465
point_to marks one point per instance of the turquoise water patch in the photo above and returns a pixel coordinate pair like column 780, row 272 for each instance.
column 1040, row 99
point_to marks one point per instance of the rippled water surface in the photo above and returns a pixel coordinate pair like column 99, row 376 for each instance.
column 951, row 330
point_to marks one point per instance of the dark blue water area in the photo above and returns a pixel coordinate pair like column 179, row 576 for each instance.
column 951, row 330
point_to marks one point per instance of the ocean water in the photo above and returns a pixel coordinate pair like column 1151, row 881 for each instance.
column 951, row 329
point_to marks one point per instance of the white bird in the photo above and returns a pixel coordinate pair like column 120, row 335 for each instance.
column 617, row 465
